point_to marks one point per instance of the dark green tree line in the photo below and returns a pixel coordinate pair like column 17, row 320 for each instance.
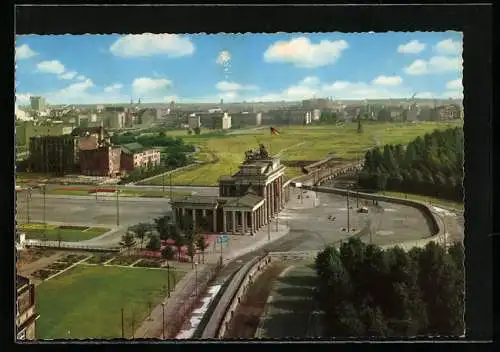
column 432, row 165
column 366, row 291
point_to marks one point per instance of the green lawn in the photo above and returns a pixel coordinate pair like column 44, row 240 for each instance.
column 426, row 199
column 86, row 301
column 293, row 143
column 53, row 233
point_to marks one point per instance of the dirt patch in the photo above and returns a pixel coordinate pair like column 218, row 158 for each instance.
column 247, row 315
column 28, row 268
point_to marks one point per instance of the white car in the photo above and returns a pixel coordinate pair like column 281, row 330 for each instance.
column 363, row 210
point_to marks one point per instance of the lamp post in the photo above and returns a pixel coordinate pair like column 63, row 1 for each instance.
column 28, row 201
column 196, row 278
column 163, row 319
column 168, row 280
column 117, row 191
column 269, row 229
column 44, row 222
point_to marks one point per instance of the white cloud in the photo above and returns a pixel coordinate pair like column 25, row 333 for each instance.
column 302, row 53
column 449, row 47
column 73, row 93
column 53, row 66
column 436, row 64
column 81, row 77
column 113, row 88
column 387, row 80
column 24, row 52
column 150, row 86
column 136, row 45
column 68, row 75
column 412, row 47
column 455, row 84
column 226, row 86
column 311, row 87
column 223, row 58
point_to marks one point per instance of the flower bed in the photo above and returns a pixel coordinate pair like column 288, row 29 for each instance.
column 149, row 254
column 44, row 273
column 100, row 258
column 58, row 266
column 35, row 226
column 72, row 258
column 124, row 260
column 149, row 263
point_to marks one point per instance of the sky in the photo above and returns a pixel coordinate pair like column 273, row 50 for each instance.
column 93, row 69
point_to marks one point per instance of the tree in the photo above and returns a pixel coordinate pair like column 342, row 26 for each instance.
column 189, row 131
column 191, row 251
column 59, row 237
column 162, row 226
column 201, row 245
column 167, row 253
column 360, row 127
column 128, row 241
column 154, row 243
column 140, row 231
column 197, row 130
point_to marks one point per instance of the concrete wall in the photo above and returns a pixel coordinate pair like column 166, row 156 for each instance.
column 232, row 296
column 249, row 278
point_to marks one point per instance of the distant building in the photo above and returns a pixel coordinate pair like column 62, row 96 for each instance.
column 194, row 121
column 321, row 104
column 216, row 121
column 449, row 112
column 26, row 315
column 103, row 161
column 53, row 154
column 308, row 118
column 116, row 120
column 91, row 137
column 37, row 103
column 135, row 156
column 243, row 119
column 316, row 115
column 27, row 129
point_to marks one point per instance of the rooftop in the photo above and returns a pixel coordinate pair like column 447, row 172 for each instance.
column 133, row 147
column 202, row 200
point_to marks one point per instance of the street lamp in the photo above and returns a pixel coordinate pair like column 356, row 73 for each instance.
column 163, row 318
column 196, row 278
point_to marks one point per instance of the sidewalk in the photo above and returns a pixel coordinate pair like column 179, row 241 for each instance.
column 152, row 326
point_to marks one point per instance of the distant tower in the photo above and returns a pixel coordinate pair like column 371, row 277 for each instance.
column 221, row 102
column 139, row 101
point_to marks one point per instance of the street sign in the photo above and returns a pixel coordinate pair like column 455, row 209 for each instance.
column 223, row 238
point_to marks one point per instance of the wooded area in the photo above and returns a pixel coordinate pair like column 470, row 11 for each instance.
column 367, row 291
column 432, row 166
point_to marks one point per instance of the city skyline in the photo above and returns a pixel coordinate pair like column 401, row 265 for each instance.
column 92, row 69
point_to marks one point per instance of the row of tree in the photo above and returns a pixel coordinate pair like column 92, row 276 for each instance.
column 367, row 291
column 432, row 165
column 164, row 229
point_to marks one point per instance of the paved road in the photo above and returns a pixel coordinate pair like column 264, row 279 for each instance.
column 88, row 210
column 310, row 228
column 289, row 310
column 200, row 190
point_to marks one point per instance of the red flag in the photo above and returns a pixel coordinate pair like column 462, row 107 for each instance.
column 274, row 131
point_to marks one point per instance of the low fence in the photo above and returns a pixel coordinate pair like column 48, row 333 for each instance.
column 190, row 301
column 231, row 298
column 68, row 246
column 431, row 218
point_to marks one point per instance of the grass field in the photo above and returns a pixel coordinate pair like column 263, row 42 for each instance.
column 434, row 201
column 53, row 233
column 293, row 143
column 86, row 301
